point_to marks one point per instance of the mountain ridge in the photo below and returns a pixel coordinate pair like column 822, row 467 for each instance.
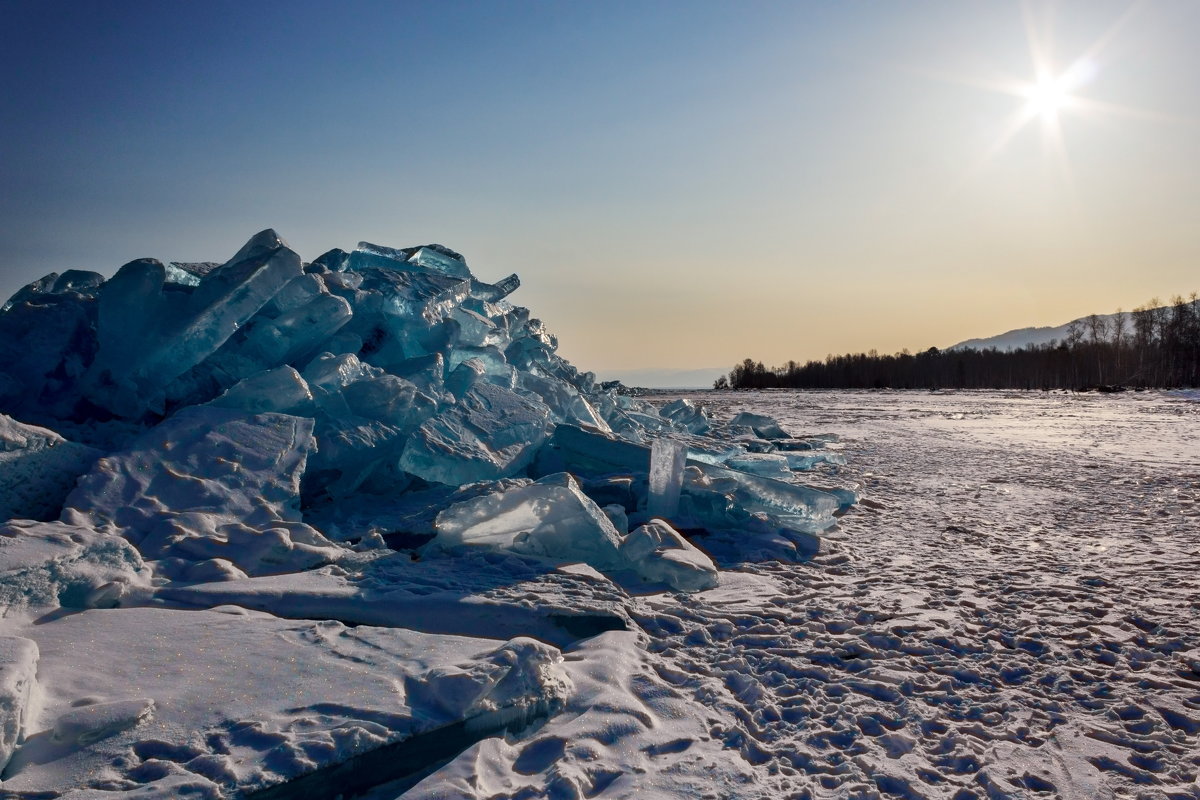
column 1024, row 337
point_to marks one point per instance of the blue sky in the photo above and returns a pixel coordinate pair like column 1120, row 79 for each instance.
column 679, row 184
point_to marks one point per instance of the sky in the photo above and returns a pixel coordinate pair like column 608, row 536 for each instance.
column 678, row 184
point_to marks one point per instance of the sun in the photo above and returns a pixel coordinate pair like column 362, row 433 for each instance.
column 1047, row 97
column 1055, row 94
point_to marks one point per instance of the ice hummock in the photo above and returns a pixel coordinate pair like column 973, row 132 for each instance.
column 38, row 469
column 379, row 371
column 375, row 438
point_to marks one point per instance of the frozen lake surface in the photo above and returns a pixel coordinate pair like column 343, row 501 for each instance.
column 1012, row 611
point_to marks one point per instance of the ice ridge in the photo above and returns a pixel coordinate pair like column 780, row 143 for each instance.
column 377, row 440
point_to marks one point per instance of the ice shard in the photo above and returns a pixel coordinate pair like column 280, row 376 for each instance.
column 298, row 332
column 762, row 425
column 281, row 390
column 491, row 433
column 808, row 460
column 726, row 497
column 686, row 413
column 667, row 458
column 494, row 292
column 591, row 453
column 551, row 517
column 47, row 341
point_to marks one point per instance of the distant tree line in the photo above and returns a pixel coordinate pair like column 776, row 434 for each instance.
column 1152, row 346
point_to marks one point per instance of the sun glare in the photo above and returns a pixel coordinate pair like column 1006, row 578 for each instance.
column 1051, row 90
column 1047, row 97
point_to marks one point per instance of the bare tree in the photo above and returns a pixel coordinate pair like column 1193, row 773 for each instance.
column 1074, row 334
column 1143, row 339
column 1152, row 345
column 1120, row 326
column 1074, row 338
column 1097, row 328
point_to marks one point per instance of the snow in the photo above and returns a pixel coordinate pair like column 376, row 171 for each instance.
column 208, row 485
column 157, row 696
column 52, row 564
column 38, row 468
column 1016, row 618
column 625, row 731
column 474, row 592
column 16, row 436
column 18, row 679
column 1013, row 618
column 659, row 553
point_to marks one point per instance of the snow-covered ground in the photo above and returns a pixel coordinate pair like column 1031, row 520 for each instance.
column 1012, row 611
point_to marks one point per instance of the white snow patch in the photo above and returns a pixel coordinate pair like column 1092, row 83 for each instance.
column 51, row 564
column 234, row 701
column 18, row 677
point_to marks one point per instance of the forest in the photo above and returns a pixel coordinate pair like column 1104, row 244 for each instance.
column 1153, row 346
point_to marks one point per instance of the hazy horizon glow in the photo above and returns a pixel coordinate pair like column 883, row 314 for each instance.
column 679, row 184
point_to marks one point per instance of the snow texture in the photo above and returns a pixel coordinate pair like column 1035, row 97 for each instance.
column 659, row 553
column 18, row 678
column 475, row 592
column 52, row 564
column 224, row 702
column 208, row 489
column 38, row 468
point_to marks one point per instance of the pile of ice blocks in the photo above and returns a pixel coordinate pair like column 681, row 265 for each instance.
column 312, row 478
column 234, row 403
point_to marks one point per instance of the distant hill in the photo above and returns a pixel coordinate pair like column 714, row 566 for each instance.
column 1023, row 337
